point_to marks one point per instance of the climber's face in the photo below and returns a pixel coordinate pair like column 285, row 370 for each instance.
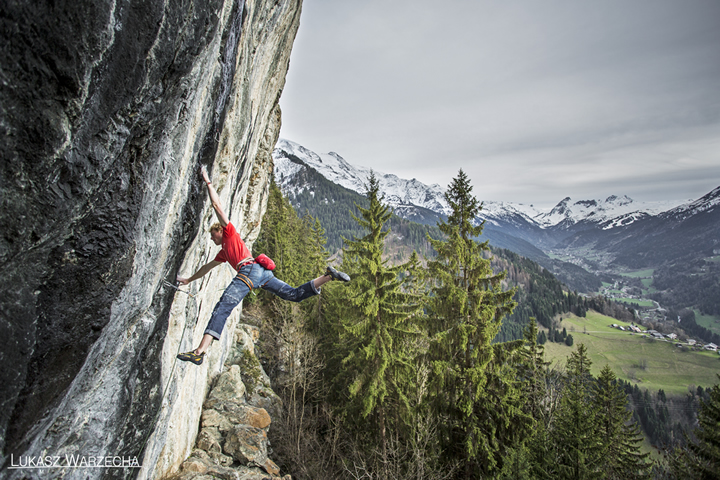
column 216, row 237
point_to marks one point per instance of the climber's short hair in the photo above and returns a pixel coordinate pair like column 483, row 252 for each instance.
column 216, row 227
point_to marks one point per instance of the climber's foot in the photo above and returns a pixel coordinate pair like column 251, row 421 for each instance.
column 344, row 277
column 192, row 357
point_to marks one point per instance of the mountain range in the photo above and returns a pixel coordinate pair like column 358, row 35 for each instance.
column 610, row 235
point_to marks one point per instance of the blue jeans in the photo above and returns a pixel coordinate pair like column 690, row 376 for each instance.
column 259, row 278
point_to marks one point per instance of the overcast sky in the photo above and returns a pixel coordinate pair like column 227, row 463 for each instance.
column 535, row 100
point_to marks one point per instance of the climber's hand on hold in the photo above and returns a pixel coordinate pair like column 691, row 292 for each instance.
column 183, row 281
column 204, row 173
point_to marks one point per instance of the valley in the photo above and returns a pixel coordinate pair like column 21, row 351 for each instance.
column 636, row 358
column 584, row 257
column 660, row 260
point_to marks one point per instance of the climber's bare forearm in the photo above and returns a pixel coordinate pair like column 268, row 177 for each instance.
column 200, row 273
column 214, row 198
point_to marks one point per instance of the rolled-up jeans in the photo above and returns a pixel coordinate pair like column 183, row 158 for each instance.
column 238, row 289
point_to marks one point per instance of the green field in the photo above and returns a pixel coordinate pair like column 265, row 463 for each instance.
column 711, row 322
column 639, row 273
column 642, row 303
column 650, row 364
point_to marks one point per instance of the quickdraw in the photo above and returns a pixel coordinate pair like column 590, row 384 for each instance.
column 168, row 284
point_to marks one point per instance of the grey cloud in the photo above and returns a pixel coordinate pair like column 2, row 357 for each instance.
column 423, row 88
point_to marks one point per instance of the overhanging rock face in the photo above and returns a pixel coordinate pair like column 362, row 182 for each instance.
column 107, row 110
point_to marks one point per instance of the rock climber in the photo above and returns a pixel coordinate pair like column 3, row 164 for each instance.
column 250, row 275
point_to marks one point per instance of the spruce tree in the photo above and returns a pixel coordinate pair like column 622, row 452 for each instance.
column 380, row 318
column 620, row 436
column 476, row 389
column 707, row 447
column 533, row 371
column 533, row 374
column 701, row 458
column 576, row 433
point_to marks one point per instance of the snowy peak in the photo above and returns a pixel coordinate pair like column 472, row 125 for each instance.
column 496, row 212
column 619, row 201
column 614, row 211
column 335, row 168
column 399, row 193
column 706, row 203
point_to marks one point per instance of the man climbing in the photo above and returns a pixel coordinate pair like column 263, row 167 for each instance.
column 250, row 275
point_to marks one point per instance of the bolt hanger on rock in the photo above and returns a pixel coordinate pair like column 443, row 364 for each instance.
column 168, row 284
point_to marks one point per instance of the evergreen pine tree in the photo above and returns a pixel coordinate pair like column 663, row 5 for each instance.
column 701, row 458
column 381, row 316
column 707, row 448
column 533, row 373
column 476, row 389
column 620, row 437
column 576, row 432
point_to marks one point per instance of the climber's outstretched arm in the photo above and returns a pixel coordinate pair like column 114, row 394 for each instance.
column 222, row 218
column 201, row 272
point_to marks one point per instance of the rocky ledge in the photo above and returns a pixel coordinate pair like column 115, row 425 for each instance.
column 233, row 442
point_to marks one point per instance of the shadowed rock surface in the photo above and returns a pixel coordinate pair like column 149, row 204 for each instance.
column 107, row 109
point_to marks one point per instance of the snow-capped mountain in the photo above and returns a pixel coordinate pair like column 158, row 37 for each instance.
column 688, row 231
column 612, row 212
column 401, row 194
column 335, row 168
column 617, row 232
column 707, row 203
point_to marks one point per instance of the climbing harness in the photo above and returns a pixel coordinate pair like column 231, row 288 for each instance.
column 245, row 280
column 244, row 261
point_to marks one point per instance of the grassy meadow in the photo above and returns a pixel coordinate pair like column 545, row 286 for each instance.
column 649, row 363
column 631, row 301
column 711, row 322
column 648, row 273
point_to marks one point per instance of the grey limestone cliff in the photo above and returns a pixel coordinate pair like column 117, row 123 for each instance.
column 107, row 110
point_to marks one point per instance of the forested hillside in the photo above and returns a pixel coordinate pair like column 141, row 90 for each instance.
column 665, row 418
column 540, row 294
column 692, row 283
column 334, row 206
column 395, row 374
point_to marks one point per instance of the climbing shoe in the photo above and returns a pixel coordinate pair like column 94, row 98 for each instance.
column 192, row 357
column 337, row 275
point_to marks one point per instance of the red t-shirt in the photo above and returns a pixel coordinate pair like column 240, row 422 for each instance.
column 233, row 248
